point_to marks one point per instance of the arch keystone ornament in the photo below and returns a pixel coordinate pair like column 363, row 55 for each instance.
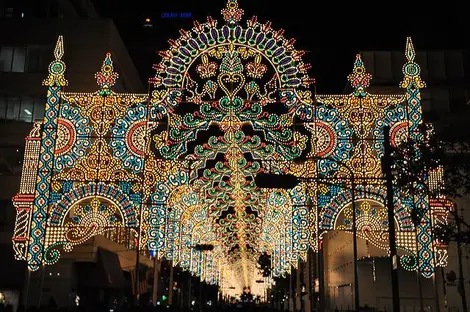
column 176, row 168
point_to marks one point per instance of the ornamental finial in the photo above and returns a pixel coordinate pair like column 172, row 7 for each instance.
column 106, row 78
column 232, row 13
column 359, row 78
column 410, row 50
column 59, row 48
column 56, row 78
column 411, row 69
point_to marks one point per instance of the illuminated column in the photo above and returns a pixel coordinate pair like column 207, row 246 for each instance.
column 23, row 201
column 412, row 83
column 55, row 82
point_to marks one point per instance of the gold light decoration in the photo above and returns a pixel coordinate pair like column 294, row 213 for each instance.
column 175, row 168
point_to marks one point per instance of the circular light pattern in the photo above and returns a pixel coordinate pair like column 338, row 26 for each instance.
column 66, row 136
column 129, row 137
column 399, row 133
column 97, row 214
column 57, row 68
column 136, row 137
column 324, row 139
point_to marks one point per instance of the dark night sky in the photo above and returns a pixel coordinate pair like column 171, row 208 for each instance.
column 331, row 31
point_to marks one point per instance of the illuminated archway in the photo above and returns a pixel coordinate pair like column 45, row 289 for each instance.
column 177, row 166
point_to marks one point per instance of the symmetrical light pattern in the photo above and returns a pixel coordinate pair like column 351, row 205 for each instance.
column 176, row 168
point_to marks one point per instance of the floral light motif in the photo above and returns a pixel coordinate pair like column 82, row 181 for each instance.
column 206, row 69
column 256, row 69
column 359, row 78
column 232, row 13
column 106, row 78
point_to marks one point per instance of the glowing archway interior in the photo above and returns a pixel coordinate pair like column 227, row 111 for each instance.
column 177, row 166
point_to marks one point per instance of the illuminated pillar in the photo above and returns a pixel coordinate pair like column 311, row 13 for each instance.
column 55, row 82
column 23, row 201
column 412, row 83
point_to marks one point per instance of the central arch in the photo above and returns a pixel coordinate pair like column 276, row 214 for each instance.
column 258, row 37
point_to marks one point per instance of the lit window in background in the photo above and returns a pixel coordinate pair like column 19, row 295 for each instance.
column 13, row 108
column 25, row 109
column 19, row 60
column 34, row 58
column 6, row 57
column 12, row 59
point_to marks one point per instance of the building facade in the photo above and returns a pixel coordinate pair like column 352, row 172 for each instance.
column 29, row 35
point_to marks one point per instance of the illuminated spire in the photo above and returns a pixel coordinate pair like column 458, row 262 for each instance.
column 57, row 67
column 106, row 78
column 232, row 13
column 411, row 69
column 59, row 48
column 410, row 50
column 359, row 78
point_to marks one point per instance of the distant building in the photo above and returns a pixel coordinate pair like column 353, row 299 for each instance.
column 29, row 34
column 447, row 77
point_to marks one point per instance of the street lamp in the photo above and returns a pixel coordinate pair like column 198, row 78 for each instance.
column 387, row 163
column 202, row 248
column 289, row 181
